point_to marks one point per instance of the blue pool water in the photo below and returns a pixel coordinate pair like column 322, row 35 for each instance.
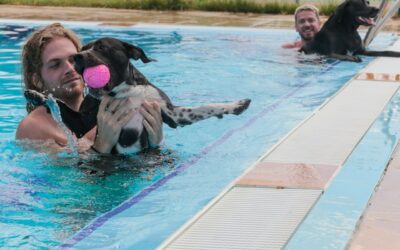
column 50, row 200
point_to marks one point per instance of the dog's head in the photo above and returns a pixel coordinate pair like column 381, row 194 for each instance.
column 113, row 53
column 355, row 13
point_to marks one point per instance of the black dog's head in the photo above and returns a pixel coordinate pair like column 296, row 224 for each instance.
column 355, row 13
column 113, row 53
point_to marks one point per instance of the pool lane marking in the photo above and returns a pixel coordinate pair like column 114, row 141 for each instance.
column 99, row 221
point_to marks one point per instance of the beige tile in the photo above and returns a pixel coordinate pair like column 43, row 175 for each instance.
column 289, row 175
column 378, row 76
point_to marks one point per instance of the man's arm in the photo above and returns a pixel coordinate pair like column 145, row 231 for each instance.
column 39, row 125
column 293, row 45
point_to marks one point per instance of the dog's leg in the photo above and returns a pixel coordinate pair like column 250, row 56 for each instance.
column 345, row 57
column 182, row 116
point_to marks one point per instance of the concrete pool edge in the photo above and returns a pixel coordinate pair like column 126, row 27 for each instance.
column 173, row 241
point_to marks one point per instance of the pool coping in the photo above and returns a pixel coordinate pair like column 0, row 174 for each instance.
column 283, row 170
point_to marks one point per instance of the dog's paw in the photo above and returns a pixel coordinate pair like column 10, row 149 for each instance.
column 35, row 98
column 242, row 105
column 357, row 59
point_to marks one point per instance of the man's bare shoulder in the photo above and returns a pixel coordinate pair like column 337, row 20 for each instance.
column 38, row 125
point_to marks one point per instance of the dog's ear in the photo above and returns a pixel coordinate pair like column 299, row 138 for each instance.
column 340, row 12
column 87, row 46
column 136, row 53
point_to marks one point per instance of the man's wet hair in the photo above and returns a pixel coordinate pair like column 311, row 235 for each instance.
column 32, row 54
column 306, row 7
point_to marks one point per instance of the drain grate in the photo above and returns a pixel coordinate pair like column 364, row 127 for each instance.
column 248, row 218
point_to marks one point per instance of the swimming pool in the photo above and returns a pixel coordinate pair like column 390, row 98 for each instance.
column 50, row 200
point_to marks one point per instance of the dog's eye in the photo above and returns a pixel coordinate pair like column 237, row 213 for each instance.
column 102, row 47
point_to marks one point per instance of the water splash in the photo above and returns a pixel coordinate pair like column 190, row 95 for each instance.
column 51, row 103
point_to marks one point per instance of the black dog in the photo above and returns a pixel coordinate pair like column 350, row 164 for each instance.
column 127, row 81
column 338, row 38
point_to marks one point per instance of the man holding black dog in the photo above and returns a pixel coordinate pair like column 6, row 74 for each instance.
column 48, row 68
column 307, row 24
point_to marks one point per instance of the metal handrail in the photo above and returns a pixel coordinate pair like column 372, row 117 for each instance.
column 380, row 20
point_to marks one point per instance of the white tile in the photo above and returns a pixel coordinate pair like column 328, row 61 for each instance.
column 383, row 65
column 331, row 134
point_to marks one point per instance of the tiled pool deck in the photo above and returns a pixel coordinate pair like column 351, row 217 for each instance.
column 265, row 206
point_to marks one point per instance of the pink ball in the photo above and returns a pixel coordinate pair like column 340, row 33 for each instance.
column 97, row 76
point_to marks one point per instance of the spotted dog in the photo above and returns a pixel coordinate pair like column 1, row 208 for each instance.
column 127, row 81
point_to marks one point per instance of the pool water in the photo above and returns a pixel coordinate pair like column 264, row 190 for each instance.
column 59, row 199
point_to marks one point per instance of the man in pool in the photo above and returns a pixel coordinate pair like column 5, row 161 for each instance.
column 307, row 24
column 48, row 68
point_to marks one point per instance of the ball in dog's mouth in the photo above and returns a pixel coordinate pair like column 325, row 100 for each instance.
column 97, row 76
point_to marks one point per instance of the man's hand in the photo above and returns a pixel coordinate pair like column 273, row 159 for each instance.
column 112, row 116
column 152, row 121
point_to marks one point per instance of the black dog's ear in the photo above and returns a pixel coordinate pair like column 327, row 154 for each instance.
column 136, row 53
column 87, row 46
column 340, row 12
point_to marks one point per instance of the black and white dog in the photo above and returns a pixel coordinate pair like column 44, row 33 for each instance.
column 339, row 38
column 127, row 81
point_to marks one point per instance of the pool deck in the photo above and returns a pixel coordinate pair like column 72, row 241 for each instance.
column 263, row 208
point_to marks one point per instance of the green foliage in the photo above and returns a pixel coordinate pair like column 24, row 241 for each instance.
column 119, row 4
column 162, row 5
column 327, row 9
column 246, row 6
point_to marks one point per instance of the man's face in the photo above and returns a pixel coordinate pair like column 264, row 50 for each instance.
column 307, row 24
column 58, row 73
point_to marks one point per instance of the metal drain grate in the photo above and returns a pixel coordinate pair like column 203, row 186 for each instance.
column 248, row 218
